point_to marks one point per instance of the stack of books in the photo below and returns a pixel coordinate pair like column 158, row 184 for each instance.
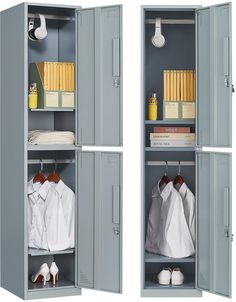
column 179, row 85
column 57, row 75
column 172, row 137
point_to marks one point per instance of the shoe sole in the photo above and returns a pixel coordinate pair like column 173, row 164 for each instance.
column 164, row 282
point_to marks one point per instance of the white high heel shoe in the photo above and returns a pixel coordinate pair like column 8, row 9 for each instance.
column 54, row 272
column 42, row 275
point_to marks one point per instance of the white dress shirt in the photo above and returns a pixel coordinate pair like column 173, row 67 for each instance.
column 36, row 206
column 188, row 200
column 167, row 229
column 51, row 213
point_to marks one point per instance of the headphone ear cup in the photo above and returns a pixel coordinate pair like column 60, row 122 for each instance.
column 31, row 34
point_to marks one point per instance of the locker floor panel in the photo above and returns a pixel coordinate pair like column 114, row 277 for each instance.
column 59, row 283
column 151, row 282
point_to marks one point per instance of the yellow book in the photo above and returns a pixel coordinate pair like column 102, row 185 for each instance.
column 51, row 76
column 63, row 76
column 167, row 85
column 60, row 76
column 178, row 85
column 174, row 85
column 171, row 85
column 73, row 76
column 57, row 76
column 181, row 85
column 67, row 77
column 194, row 86
column 46, row 76
column 185, row 85
column 191, row 85
column 164, row 85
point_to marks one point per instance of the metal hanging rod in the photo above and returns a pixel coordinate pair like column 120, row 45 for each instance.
column 51, row 17
column 169, row 163
column 172, row 21
column 50, row 161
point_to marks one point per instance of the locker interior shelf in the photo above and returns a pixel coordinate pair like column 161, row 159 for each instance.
column 154, row 149
column 166, row 122
column 59, row 283
column 51, row 147
column 40, row 252
column 52, row 109
column 150, row 257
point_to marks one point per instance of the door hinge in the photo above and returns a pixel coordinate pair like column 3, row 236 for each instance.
column 233, row 88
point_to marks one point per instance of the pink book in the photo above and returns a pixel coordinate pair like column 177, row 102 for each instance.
column 172, row 130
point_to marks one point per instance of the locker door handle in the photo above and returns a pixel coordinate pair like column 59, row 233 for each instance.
column 115, row 204
column 226, row 56
column 116, row 57
column 226, row 207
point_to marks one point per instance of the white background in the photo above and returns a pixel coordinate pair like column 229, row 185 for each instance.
column 131, row 197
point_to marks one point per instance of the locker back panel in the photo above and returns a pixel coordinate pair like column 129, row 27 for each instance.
column 86, row 197
column 178, row 52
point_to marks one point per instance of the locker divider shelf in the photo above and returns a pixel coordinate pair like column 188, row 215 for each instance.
column 52, row 109
column 40, row 252
column 152, row 258
column 51, row 147
column 154, row 149
column 170, row 122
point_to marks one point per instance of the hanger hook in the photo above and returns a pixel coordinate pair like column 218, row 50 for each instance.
column 41, row 165
column 55, row 165
column 166, row 168
column 179, row 168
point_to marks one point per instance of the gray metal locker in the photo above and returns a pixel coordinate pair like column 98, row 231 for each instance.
column 95, row 176
column 195, row 38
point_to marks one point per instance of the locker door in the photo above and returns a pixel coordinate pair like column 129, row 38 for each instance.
column 99, row 220
column 99, row 76
column 214, row 76
column 214, row 237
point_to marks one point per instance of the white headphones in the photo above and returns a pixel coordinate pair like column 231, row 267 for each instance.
column 38, row 33
column 158, row 40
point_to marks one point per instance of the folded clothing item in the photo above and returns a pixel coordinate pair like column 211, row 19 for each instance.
column 41, row 137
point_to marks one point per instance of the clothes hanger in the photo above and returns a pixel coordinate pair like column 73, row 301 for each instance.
column 39, row 177
column 53, row 176
column 165, row 179
column 178, row 179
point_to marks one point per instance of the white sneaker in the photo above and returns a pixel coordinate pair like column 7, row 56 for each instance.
column 177, row 277
column 164, row 276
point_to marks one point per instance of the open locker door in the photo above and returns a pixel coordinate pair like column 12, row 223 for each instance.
column 99, row 76
column 214, row 237
column 99, row 220
column 214, row 76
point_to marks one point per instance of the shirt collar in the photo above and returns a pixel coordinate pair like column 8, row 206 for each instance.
column 166, row 191
column 183, row 189
column 43, row 191
column 59, row 187
column 33, row 189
